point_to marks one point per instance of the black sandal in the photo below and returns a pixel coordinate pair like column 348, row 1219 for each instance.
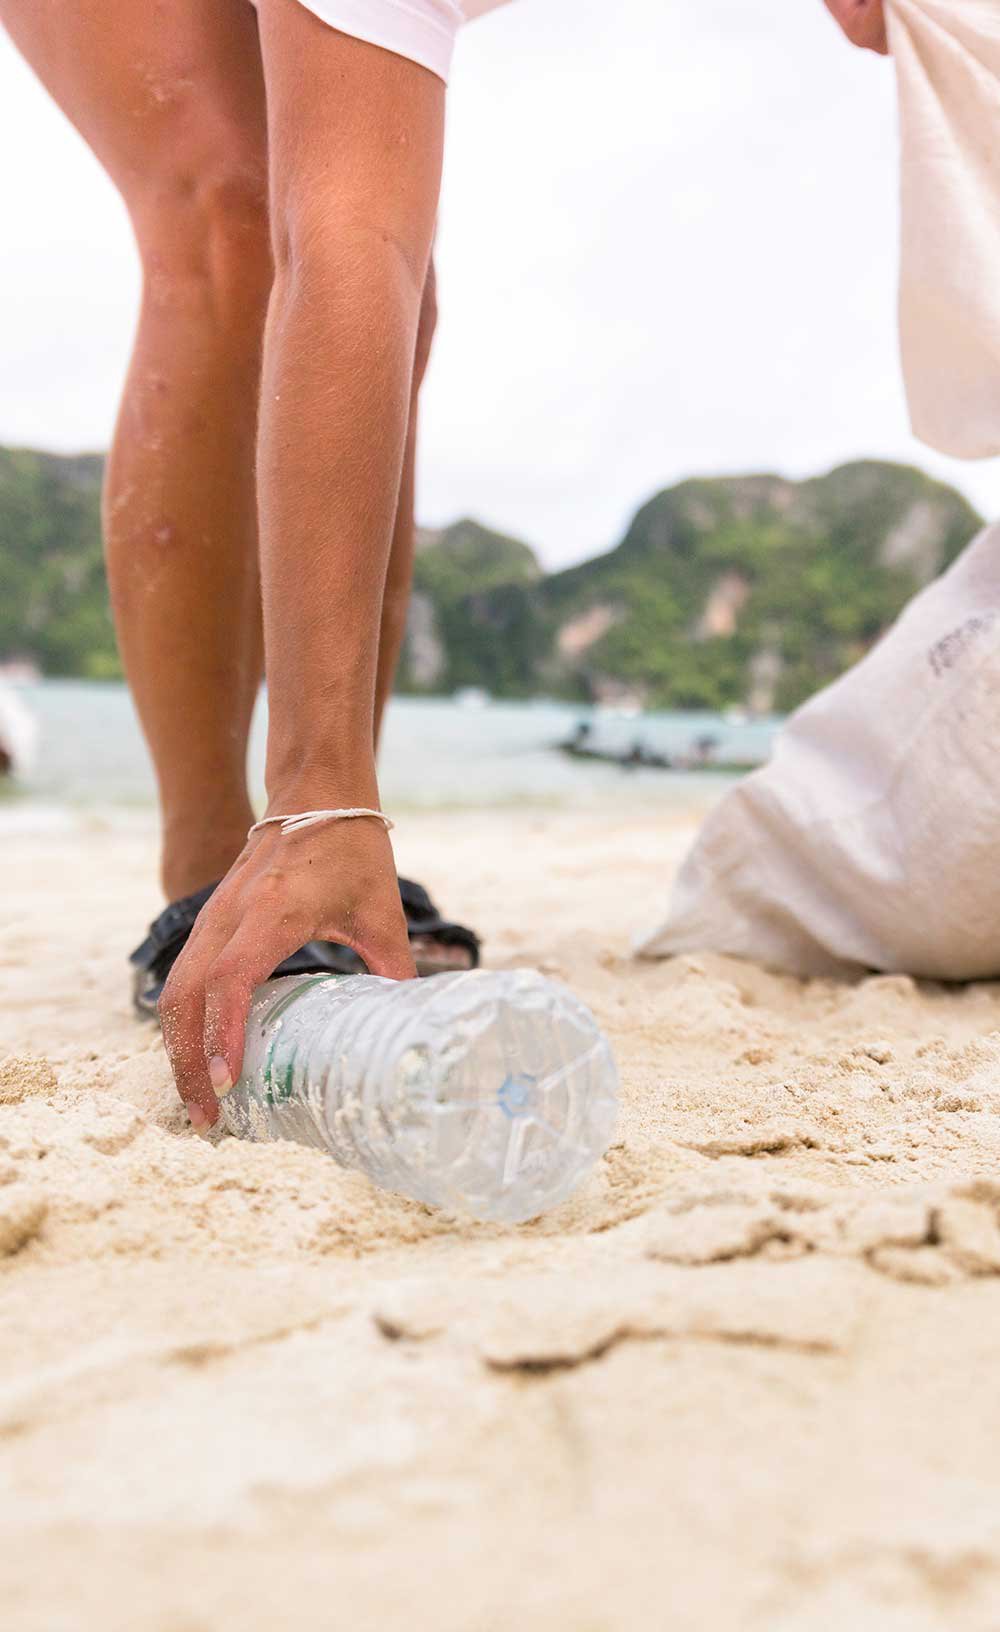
column 168, row 934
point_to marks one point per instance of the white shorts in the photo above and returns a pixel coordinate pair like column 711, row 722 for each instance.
column 423, row 30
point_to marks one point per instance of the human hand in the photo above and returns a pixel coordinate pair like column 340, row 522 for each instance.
column 863, row 21
column 333, row 883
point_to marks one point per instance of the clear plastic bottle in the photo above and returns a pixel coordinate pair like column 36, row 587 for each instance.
column 490, row 1093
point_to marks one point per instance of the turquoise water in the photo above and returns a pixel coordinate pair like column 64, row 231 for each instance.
column 437, row 752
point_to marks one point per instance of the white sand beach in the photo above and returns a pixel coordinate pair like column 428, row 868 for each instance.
column 746, row 1378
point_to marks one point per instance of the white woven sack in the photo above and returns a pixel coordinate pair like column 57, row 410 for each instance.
column 947, row 55
column 872, row 838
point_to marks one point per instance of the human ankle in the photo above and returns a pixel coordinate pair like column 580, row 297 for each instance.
column 195, row 856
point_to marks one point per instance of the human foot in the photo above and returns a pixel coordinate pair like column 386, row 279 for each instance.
column 438, row 946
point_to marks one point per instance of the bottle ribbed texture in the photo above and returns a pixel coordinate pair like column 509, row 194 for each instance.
column 490, row 1093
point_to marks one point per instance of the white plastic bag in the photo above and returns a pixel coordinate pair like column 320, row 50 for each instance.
column 872, row 838
column 947, row 55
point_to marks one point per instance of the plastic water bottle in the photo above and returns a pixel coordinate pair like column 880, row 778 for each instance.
column 490, row 1093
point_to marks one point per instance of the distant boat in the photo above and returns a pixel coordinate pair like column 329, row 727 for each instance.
column 699, row 756
column 18, row 735
column 472, row 697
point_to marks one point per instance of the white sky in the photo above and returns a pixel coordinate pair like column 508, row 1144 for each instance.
column 668, row 247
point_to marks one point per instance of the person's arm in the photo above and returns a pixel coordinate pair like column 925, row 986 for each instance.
column 863, row 21
column 355, row 136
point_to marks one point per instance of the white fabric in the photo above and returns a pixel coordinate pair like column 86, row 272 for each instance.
column 947, row 55
column 871, row 839
column 423, row 30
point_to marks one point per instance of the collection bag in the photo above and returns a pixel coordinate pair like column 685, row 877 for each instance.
column 872, row 838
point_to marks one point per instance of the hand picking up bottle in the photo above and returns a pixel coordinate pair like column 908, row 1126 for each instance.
column 490, row 1093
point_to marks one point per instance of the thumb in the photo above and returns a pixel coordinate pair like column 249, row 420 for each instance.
column 229, row 987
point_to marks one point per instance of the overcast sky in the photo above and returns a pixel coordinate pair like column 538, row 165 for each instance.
column 667, row 247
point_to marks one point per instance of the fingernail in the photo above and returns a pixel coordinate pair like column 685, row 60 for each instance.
column 219, row 1076
column 196, row 1116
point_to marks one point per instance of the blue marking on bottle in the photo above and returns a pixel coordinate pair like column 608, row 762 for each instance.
column 514, row 1094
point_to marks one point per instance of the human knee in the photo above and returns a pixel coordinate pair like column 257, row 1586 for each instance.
column 202, row 224
column 337, row 240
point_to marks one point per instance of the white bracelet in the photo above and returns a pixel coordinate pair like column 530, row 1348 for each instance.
column 312, row 818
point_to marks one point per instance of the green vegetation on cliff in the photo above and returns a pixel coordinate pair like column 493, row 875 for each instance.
column 53, row 595
column 742, row 590
column 723, row 591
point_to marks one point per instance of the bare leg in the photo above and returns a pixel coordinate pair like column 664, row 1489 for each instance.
column 399, row 577
column 172, row 103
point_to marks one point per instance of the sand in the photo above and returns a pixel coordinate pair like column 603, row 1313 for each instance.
column 746, row 1378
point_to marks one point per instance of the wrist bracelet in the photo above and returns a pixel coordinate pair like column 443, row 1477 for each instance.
column 312, row 818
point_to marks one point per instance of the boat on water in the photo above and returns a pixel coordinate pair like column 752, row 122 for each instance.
column 18, row 735
column 701, row 754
